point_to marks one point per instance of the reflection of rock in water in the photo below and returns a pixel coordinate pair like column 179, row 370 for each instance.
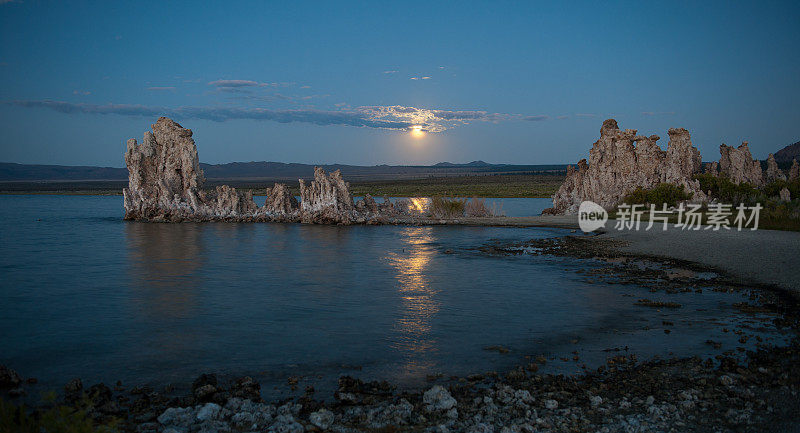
column 164, row 261
column 418, row 300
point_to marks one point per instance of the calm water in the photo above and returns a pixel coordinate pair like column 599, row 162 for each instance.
column 85, row 294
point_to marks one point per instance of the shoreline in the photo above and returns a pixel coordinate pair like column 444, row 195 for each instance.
column 748, row 390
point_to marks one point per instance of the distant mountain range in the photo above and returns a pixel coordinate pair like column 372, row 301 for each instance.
column 274, row 171
column 788, row 153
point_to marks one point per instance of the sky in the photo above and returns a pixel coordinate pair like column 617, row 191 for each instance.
column 393, row 82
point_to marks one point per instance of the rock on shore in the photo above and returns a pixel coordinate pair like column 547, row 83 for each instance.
column 621, row 161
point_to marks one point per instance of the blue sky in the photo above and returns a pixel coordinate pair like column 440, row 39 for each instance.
column 344, row 82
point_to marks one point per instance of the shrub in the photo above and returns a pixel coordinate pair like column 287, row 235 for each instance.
column 663, row 193
column 476, row 207
column 726, row 191
column 446, row 208
column 773, row 189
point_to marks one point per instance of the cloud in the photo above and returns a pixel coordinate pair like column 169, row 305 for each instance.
column 161, row 88
column 81, row 92
column 318, row 117
column 389, row 72
column 586, row 115
column 426, row 78
column 393, row 117
column 233, row 83
column 430, row 120
column 538, row 118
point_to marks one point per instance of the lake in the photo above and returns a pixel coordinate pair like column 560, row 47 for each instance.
column 85, row 294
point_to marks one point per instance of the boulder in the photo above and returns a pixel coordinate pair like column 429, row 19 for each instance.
column 322, row 418
column 438, row 399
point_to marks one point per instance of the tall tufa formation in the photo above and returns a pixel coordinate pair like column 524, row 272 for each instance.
column 165, row 180
column 327, row 199
column 738, row 165
column 773, row 173
column 621, row 161
column 794, row 172
column 281, row 204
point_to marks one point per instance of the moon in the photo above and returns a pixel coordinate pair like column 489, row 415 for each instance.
column 417, row 132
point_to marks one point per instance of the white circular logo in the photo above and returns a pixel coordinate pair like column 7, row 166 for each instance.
column 591, row 216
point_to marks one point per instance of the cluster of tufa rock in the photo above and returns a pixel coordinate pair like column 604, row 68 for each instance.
column 165, row 184
column 622, row 161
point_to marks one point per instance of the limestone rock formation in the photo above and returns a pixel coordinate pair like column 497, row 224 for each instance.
column 327, row 199
column 773, row 173
column 739, row 166
column 617, row 166
column 712, row 168
column 165, row 180
column 280, row 203
column 794, row 172
column 165, row 184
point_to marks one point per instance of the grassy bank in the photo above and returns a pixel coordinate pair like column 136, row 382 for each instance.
column 464, row 186
column 458, row 186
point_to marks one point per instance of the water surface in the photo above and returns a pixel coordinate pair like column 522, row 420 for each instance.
column 85, row 294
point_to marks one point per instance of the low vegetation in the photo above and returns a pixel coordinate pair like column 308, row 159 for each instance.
column 499, row 186
column 446, row 208
column 774, row 215
column 663, row 193
column 52, row 419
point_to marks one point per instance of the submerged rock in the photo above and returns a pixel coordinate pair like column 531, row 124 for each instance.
column 621, row 161
column 9, row 378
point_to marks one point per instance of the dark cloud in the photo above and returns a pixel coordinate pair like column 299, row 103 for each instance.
column 317, row 117
column 395, row 117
